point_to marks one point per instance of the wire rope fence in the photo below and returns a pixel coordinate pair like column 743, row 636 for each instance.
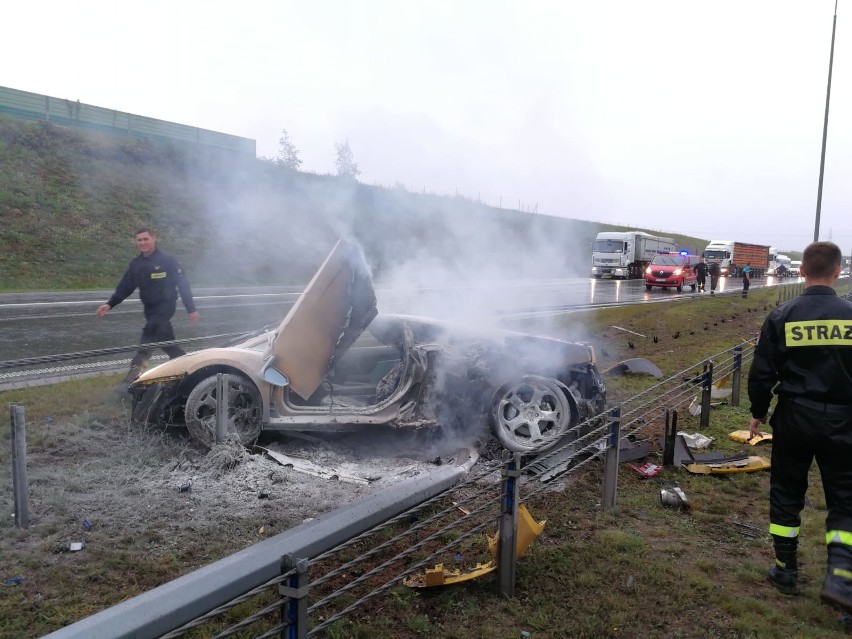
column 45, row 369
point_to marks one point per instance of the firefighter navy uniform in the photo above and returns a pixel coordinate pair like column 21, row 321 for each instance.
column 159, row 278
column 804, row 354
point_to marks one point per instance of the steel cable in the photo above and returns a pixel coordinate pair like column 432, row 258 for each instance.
column 62, row 357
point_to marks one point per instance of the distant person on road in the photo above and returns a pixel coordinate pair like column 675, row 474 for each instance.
column 701, row 274
column 805, row 354
column 159, row 277
column 715, row 271
column 781, row 271
column 746, row 278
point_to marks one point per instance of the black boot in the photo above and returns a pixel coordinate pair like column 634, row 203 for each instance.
column 784, row 575
column 785, row 580
column 837, row 587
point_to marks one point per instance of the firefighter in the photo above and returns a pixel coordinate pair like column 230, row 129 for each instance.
column 715, row 271
column 701, row 274
column 805, row 347
column 159, row 277
column 746, row 273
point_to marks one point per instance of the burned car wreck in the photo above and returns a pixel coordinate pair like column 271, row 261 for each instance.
column 335, row 365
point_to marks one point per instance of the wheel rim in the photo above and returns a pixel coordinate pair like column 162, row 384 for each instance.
column 244, row 410
column 530, row 414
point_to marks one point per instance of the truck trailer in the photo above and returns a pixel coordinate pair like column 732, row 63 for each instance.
column 733, row 256
column 626, row 255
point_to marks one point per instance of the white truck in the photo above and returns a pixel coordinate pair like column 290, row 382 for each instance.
column 733, row 256
column 627, row 254
column 776, row 259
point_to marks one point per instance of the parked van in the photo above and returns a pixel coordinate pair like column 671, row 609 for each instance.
column 669, row 270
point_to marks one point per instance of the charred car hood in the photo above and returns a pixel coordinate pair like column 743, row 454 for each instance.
column 244, row 359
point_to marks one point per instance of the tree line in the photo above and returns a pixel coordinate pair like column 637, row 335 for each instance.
column 288, row 157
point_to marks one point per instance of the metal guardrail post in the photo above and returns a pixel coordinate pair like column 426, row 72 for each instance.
column 611, row 459
column 669, row 439
column 706, row 386
column 221, row 407
column 20, row 485
column 736, row 380
column 509, row 523
column 294, row 611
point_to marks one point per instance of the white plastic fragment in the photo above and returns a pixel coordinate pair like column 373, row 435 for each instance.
column 696, row 440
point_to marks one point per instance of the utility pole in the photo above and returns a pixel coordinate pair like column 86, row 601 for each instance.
column 825, row 127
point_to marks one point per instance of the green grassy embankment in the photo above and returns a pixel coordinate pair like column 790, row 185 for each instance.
column 70, row 201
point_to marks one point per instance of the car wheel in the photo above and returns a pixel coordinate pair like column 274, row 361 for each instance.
column 694, row 287
column 245, row 410
column 531, row 414
column 647, row 288
column 680, row 287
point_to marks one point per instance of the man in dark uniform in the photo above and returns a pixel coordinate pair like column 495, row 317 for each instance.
column 746, row 273
column 159, row 277
column 701, row 274
column 805, row 348
column 715, row 271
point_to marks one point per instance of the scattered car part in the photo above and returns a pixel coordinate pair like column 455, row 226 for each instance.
column 696, row 441
column 309, row 468
column 727, row 466
column 528, row 529
column 635, row 365
column 646, row 470
column 440, row 576
column 744, row 437
column 674, row 497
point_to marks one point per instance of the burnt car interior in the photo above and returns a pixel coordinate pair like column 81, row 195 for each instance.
column 357, row 378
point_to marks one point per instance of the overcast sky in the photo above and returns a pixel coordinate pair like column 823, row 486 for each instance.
column 695, row 117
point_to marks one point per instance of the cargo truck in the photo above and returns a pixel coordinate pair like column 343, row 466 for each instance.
column 626, row 255
column 733, row 256
column 776, row 259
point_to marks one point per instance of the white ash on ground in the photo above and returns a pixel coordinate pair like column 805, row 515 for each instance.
column 124, row 479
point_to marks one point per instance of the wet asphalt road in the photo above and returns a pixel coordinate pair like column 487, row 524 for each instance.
column 49, row 323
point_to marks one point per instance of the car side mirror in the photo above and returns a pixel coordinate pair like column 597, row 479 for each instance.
column 275, row 377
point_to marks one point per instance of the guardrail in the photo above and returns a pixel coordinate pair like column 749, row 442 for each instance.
column 51, row 369
column 305, row 581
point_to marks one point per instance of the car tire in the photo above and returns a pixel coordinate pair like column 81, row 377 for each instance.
column 694, row 286
column 648, row 288
column 245, row 410
column 531, row 414
column 680, row 287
